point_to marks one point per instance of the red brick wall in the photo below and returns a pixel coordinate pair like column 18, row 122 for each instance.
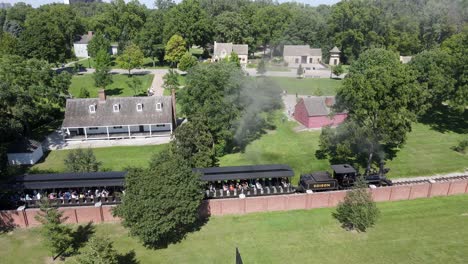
column 300, row 113
column 86, row 214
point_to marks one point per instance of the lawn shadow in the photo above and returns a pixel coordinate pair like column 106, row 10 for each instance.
column 443, row 119
column 128, row 258
column 114, row 91
column 81, row 235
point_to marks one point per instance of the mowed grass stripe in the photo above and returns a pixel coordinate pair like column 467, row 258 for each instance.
column 417, row 231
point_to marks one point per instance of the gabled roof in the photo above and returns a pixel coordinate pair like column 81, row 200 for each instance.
column 316, row 106
column 23, row 146
column 241, row 49
column 77, row 112
column 335, row 50
column 301, row 50
column 85, row 39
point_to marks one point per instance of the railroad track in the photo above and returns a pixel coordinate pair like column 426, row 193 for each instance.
column 431, row 179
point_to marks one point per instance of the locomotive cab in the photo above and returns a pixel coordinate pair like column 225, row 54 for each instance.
column 345, row 174
column 317, row 181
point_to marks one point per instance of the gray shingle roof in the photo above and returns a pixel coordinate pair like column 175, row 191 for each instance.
column 23, row 146
column 335, row 50
column 85, row 39
column 241, row 49
column 77, row 112
column 316, row 106
column 301, row 50
column 220, row 47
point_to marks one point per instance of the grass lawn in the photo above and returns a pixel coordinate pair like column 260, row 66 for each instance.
column 426, row 152
column 118, row 88
column 418, row 231
column 114, row 158
column 308, row 86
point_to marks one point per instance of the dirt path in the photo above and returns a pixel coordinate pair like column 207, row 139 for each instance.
column 157, row 84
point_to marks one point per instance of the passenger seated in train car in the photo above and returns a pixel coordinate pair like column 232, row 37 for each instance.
column 258, row 185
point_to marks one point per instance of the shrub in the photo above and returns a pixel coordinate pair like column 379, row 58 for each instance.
column 83, row 93
column 358, row 211
column 79, row 160
column 461, row 147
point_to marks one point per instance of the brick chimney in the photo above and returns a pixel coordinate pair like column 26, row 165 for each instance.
column 329, row 101
column 102, row 95
column 174, row 112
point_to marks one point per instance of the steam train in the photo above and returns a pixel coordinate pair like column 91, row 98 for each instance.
column 220, row 182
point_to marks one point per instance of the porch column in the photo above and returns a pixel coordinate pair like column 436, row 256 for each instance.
column 171, row 128
column 85, row 134
column 107, row 130
column 129, row 135
column 68, row 131
column 150, row 130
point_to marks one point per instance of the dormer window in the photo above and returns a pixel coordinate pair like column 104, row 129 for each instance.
column 116, row 108
column 158, row 106
column 139, row 107
column 92, row 109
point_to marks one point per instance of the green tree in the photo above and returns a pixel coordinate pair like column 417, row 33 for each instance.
column 175, row 49
column 79, row 160
column 337, row 70
column 98, row 250
column 235, row 59
column 358, row 211
column 300, row 72
column 382, row 98
column 131, row 58
column 57, row 236
column 171, row 80
column 261, row 67
column 97, row 43
column 134, row 84
column 231, row 27
column 169, row 185
column 150, row 39
column 187, row 61
column 8, row 44
column 194, row 142
column 190, row 21
column 102, row 77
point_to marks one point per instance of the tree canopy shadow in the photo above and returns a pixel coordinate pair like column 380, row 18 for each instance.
column 128, row 258
column 81, row 235
column 114, row 91
column 444, row 119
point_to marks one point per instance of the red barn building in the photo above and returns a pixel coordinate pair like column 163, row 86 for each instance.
column 313, row 112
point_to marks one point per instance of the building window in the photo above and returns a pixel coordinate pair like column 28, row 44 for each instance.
column 117, row 127
column 116, row 108
column 158, row 106
column 297, row 60
column 92, row 109
column 160, row 125
column 139, row 107
column 311, row 60
column 93, row 128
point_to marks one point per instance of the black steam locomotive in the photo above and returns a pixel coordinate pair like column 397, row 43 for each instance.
column 344, row 177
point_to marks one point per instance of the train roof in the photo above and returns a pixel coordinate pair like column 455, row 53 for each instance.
column 343, row 168
column 245, row 172
column 70, row 180
column 320, row 176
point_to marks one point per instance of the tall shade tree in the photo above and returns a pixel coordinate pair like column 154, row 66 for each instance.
column 150, row 39
column 161, row 203
column 382, row 98
column 97, row 43
column 8, row 44
column 102, row 76
column 190, row 21
column 131, row 58
column 171, row 79
column 231, row 27
column 457, row 47
column 175, row 49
